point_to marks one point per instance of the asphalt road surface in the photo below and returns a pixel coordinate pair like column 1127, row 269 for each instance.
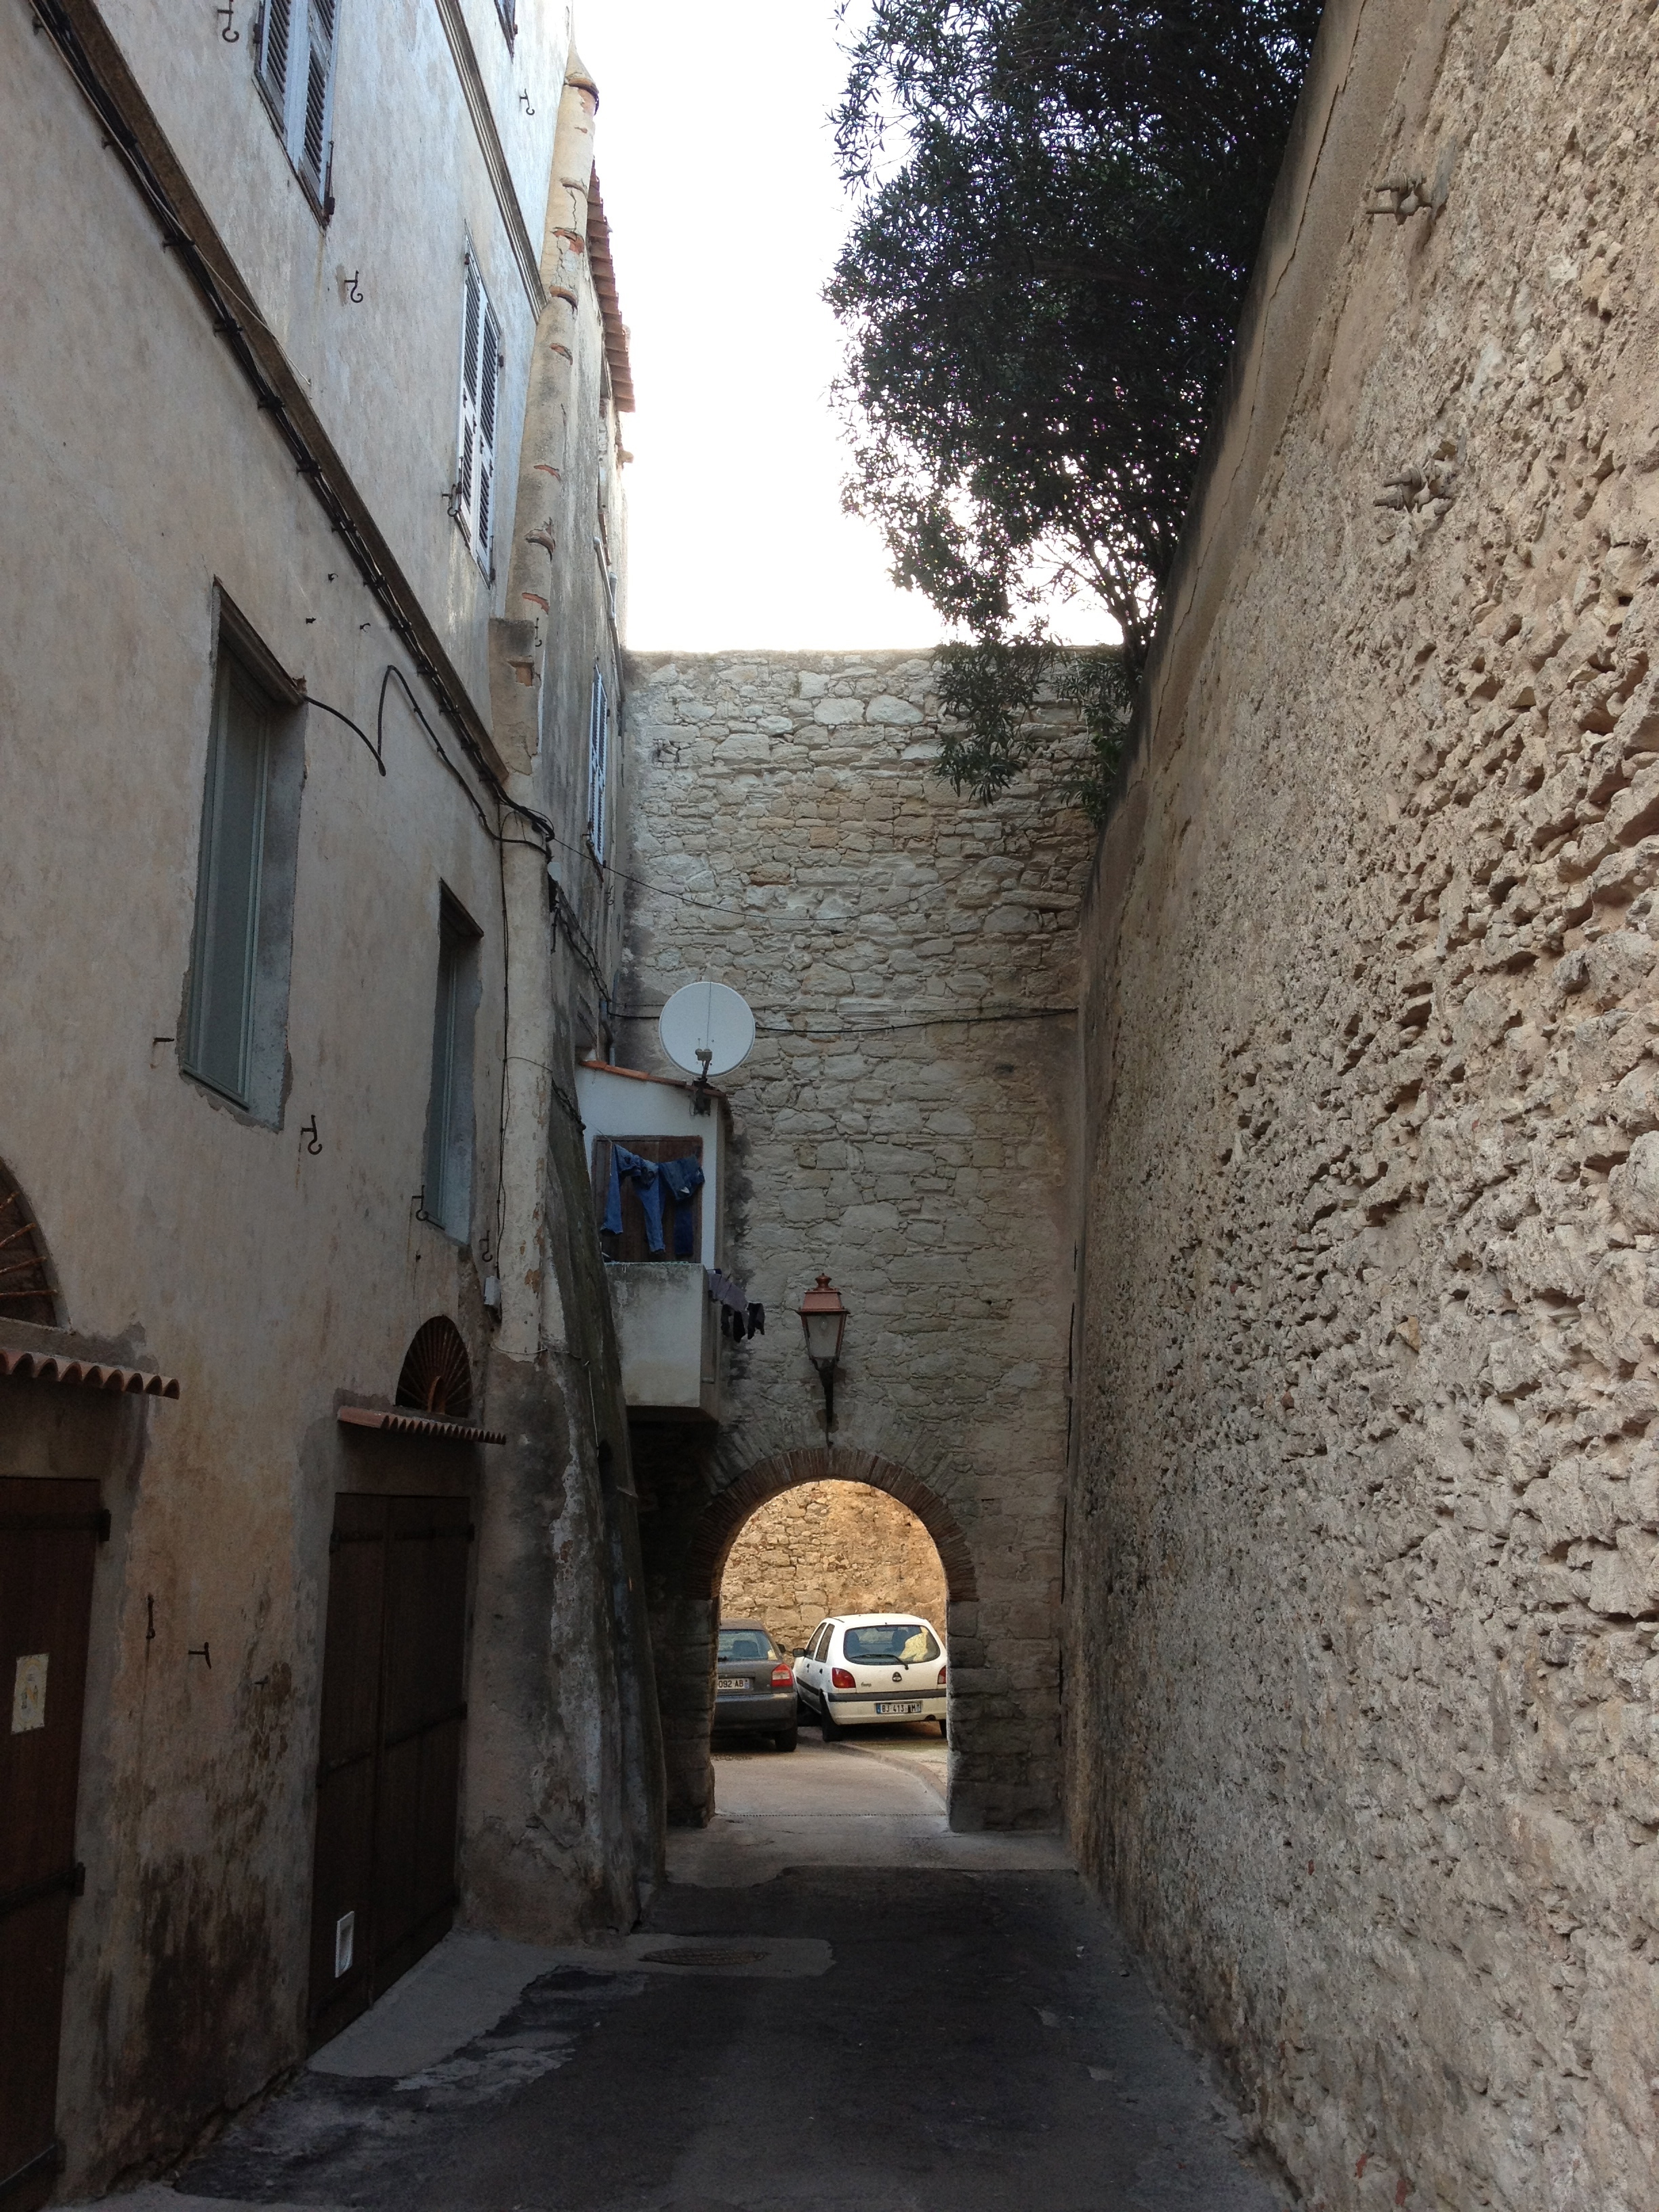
column 835, row 2005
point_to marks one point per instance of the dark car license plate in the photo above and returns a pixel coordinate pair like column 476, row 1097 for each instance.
column 732, row 1682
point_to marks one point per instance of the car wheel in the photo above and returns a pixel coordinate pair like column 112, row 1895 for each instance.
column 832, row 1728
column 787, row 1738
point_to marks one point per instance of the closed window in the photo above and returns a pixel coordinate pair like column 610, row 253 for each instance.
column 294, row 50
column 449, row 1182
column 598, row 762
column 236, row 1000
column 473, row 504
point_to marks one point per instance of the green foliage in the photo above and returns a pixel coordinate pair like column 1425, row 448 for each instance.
column 994, row 690
column 1058, row 203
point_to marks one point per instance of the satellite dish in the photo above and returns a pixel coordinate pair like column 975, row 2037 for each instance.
column 707, row 1028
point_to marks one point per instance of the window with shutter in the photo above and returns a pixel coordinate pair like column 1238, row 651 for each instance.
column 599, row 762
column 474, row 501
column 293, row 56
column 235, row 1037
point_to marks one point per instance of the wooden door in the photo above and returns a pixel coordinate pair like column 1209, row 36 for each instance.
column 388, row 1773
column 49, row 1535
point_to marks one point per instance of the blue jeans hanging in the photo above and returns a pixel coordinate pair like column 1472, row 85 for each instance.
column 645, row 1176
column 683, row 1179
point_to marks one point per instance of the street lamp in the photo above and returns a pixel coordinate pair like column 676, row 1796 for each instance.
column 823, row 1319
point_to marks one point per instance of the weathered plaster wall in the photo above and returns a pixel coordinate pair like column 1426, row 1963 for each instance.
column 278, row 1271
column 903, row 1123
column 830, row 1547
column 1363, row 1697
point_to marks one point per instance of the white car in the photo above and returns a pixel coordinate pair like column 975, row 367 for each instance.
column 863, row 1668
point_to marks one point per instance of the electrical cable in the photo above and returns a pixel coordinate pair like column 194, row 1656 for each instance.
column 323, row 706
column 877, row 1029
column 392, row 670
column 223, row 302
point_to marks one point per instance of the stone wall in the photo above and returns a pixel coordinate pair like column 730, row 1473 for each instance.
column 904, row 1123
column 1362, row 1605
column 830, row 1547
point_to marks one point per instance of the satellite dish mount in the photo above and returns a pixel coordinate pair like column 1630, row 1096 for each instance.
column 707, row 1028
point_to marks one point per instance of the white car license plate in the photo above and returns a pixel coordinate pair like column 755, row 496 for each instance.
column 898, row 1709
column 732, row 1682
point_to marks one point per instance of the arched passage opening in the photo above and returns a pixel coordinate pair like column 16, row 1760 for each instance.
column 686, row 1632
column 830, row 1547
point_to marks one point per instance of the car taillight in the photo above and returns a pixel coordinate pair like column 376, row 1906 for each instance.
column 782, row 1679
column 943, row 1672
column 841, row 1679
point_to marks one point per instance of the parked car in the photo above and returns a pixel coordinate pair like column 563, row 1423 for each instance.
column 754, row 1686
column 864, row 1668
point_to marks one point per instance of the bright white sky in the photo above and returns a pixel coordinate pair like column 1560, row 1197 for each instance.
column 726, row 218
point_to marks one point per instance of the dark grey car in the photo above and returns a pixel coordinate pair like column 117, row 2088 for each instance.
column 754, row 1685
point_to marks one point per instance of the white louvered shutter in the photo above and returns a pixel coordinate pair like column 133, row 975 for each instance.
column 275, row 26
column 489, row 354
column 474, row 470
column 315, row 118
column 598, row 762
column 466, row 473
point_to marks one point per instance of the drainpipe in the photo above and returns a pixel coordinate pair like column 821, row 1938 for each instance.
column 541, row 567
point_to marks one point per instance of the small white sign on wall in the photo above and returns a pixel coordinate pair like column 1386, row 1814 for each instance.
column 345, row 1943
column 28, row 1692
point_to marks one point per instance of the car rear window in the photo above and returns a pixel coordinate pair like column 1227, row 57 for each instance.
column 905, row 1641
column 747, row 1644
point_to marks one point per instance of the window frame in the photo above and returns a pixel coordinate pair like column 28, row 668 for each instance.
column 507, row 14
column 245, row 671
column 599, row 727
column 473, row 502
column 449, row 1151
column 291, row 93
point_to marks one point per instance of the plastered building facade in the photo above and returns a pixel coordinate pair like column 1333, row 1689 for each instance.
column 309, row 444
column 904, row 1124
column 1361, row 1719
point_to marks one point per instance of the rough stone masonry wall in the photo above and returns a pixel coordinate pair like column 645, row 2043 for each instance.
column 1363, row 1557
column 903, row 1123
column 830, row 1547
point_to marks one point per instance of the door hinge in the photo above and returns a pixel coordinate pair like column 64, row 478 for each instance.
column 73, row 1879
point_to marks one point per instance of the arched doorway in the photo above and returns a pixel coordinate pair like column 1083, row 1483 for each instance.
column 686, row 1632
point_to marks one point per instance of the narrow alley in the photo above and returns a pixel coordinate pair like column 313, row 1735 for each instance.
column 854, row 949
column 835, row 2002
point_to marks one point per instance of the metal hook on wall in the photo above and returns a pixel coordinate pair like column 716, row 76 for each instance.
column 523, row 102
column 354, row 289
column 230, row 34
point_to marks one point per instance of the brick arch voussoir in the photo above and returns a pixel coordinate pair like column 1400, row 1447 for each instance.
column 727, row 1510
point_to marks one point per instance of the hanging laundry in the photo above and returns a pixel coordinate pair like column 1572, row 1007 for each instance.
column 644, row 1175
column 727, row 1291
column 682, row 1179
column 756, row 1320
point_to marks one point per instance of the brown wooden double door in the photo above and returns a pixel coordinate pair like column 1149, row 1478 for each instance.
column 388, row 1778
column 49, row 1535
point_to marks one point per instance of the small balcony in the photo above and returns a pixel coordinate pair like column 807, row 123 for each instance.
column 657, row 1263
column 668, row 1337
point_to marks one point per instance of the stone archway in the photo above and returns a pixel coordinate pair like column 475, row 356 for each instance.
column 726, row 1512
column 696, row 1542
